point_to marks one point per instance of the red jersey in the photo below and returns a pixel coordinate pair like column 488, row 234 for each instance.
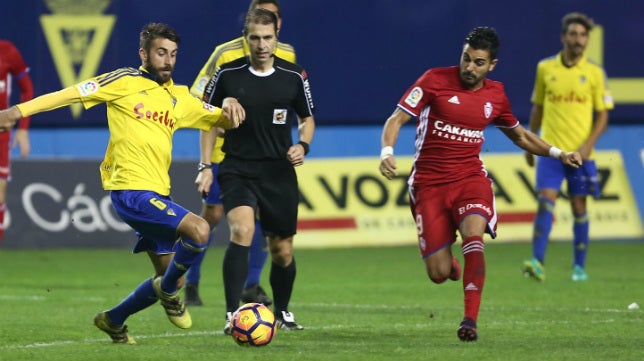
column 13, row 66
column 450, row 123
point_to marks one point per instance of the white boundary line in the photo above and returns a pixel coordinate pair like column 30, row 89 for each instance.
column 345, row 326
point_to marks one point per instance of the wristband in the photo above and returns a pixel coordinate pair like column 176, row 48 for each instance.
column 386, row 152
column 304, row 145
column 203, row 166
column 555, row 152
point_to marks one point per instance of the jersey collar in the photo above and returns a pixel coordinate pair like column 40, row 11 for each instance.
column 147, row 75
column 581, row 61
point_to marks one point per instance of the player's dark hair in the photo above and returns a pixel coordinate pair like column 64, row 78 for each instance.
column 576, row 18
column 484, row 38
column 153, row 31
column 255, row 3
column 260, row 16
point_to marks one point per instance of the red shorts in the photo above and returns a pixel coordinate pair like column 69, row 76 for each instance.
column 5, row 171
column 439, row 210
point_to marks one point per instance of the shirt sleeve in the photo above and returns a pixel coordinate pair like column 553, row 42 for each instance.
column 602, row 97
column 417, row 96
column 506, row 118
column 197, row 114
column 220, row 55
column 538, row 92
column 20, row 71
column 50, row 101
column 304, row 101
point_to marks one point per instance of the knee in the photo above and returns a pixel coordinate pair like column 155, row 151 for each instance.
column 201, row 232
column 438, row 272
column 241, row 231
column 281, row 252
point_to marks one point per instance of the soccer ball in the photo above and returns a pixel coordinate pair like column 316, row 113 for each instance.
column 253, row 324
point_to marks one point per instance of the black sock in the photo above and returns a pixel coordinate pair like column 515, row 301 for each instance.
column 235, row 270
column 282, row 280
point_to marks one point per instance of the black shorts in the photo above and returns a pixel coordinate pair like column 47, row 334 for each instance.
column 269, row 186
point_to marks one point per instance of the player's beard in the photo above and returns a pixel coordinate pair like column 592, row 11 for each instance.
column 470, row 79
column 161, row 78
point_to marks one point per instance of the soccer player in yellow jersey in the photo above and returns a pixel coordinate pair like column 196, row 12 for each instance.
column 571, row 101
column 144, row 109
column 212, row 209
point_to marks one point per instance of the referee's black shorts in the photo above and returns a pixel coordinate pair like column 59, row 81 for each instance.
column 269, row 186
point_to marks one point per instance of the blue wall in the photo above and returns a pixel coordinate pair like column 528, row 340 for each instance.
column 360, row 55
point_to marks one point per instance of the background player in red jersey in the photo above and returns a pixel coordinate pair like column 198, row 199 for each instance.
column 12, row 66
column 448, row 186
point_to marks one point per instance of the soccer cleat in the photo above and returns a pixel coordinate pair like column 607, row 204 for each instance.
column 533, row 268
column 174, row 308
column 467, row 330
column 192, row 295
column 579, row 274
column 256, row 294
column 456, row 270
column 117, row 334
column 286, row 321
column 228, row 326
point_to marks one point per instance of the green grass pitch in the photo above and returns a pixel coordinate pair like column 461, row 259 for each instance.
column 356, row 304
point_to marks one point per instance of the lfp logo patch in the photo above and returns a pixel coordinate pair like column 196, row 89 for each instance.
column 87, row 88
column 414, row 97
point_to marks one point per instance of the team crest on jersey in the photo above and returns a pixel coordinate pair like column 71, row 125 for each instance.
column 414, row 97
column 87, row 88
column 279, row 116
column 487, row 109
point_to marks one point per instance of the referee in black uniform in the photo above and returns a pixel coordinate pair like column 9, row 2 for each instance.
column 257, row 176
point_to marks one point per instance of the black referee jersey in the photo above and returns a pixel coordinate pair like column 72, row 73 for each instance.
column 271, row 101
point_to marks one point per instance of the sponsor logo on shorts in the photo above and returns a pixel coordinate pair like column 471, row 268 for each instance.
column 483, row 207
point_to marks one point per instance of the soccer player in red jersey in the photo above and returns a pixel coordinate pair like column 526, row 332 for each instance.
column 12, row 66
column 448, row 186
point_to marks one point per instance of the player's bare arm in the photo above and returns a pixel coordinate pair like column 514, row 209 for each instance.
column 389, row 137
column 206, row 145
column 21, row 139
column 599, row 126
column 530, row 142
column 536, row 115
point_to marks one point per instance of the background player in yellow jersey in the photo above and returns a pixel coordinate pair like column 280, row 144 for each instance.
column 212, row 209
column 144, row 109
column 569, row 89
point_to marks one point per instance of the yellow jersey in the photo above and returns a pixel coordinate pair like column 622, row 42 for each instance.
column 142, row 117
column 570, row 96
column 225, row 53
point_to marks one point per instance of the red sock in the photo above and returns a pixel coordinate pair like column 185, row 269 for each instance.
column 473, row 275
column 3, row 208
